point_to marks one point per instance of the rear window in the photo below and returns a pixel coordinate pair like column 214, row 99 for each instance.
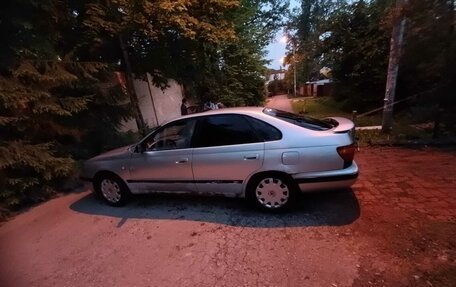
column 300, row 120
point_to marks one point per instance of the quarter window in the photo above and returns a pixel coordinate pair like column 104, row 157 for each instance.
column 225, row 130
column 264, row 130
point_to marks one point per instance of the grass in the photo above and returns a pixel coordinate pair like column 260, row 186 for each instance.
column 328, row 107
column 403, row 132
column 318, row 107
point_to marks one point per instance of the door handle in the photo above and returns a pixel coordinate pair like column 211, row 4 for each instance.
column 184, row 160
column 249, row 157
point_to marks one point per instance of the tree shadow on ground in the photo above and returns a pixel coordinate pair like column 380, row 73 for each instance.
column 332, row 208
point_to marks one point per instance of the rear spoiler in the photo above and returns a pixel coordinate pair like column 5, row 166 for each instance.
column 344, row 125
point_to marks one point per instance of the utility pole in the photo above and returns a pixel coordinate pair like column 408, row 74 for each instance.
column 131, row 88
column 397, row 37
column 140, row 123
column 294, row 67
column 149, row 84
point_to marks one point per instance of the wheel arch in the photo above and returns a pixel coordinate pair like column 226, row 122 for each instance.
column 251, row 180
column 99, row 174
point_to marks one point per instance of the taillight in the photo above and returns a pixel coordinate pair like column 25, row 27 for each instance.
column 347, row 153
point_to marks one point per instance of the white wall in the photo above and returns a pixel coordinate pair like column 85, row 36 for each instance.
column 280, row 76
column 167, row 103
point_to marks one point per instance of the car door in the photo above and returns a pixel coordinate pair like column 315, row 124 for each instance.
column 165, row 160
column 227, row 150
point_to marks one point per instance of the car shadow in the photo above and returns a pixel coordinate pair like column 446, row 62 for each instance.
column 334, row 208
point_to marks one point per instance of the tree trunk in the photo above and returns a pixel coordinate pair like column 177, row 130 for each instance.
column 131, row 88
column 448, row 72
column 397, row 37
column 149, row 85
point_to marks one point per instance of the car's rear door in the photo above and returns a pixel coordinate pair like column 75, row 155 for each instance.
column 226, row 151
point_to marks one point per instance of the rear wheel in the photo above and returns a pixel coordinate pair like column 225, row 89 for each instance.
column 112, row 189
column 272, row 192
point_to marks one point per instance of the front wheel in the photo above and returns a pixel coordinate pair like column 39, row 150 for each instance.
column 112, row 189
column 272, row 192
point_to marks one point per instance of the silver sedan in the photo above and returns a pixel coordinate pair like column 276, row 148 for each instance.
column 262, row 154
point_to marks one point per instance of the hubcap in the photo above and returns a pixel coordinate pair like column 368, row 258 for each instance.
column 110, row 190
column 272, row 193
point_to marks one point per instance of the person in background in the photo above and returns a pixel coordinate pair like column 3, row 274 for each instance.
column 210, row 106
column 184, row 109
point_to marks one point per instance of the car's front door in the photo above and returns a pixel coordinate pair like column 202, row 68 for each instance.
column 164, row 162
column 226, row 151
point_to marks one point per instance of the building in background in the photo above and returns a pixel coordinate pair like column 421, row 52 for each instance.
column 320, row 88
column 157, row 105
column 275, row 75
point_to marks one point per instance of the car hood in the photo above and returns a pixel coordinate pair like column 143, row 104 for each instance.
column 120, row 152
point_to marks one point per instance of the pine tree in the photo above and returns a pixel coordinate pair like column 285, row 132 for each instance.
column 44, row 87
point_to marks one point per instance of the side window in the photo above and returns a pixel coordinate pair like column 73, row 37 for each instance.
column 264, row 130
column 176, row 135
column 225, row 130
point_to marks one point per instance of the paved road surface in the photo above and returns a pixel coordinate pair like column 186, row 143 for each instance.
column 396, row 227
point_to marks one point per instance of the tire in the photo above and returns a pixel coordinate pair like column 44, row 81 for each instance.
column 112, row 190
column 272, row 192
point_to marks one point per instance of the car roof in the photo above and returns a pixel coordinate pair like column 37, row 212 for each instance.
column 237, row 110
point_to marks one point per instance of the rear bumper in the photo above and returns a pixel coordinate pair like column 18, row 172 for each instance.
column 333, row 179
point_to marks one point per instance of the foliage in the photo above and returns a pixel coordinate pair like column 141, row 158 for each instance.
column 427, row 66
column 319, row 107
column 46, row 91
column 159, row 33
column 58, row 99
column 323, row 107
column 215, row 47
column 353, row 37
column 357, row 47
column 404, row 132
column 276, row 87
column 304, row 34
column 232, row 72
column 350, row 38
column 242, row 61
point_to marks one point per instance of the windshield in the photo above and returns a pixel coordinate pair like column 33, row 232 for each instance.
column 300, row 120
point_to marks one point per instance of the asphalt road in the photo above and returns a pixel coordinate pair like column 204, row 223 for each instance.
column 396, row 227
column 75, row 240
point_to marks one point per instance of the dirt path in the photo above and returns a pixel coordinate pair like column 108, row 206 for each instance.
column 395, row 228
column 280, row 102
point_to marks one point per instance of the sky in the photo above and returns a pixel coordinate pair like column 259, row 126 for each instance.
column 276, row 50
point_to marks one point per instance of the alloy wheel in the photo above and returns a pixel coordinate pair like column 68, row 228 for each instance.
column 272, row 193
column 110, row 190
